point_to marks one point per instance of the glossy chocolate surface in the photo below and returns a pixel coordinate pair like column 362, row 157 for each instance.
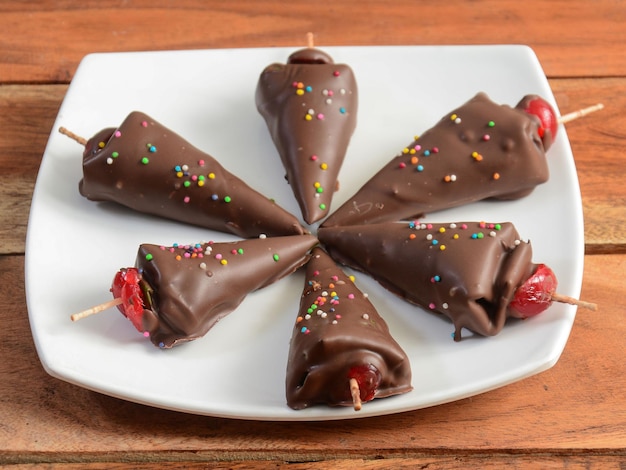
column 338, row 329
column 480, row 150
column 310, row 106
column 467, row 271
column 145, row 166
column 194, row 286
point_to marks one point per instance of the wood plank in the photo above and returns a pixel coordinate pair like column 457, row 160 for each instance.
column 568, row 36
column 598, row 144
column 26, row 117
column 484, row 461
column 27, row 114
column 577, row 407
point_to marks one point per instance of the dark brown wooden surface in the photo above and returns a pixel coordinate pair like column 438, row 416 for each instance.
column 571, row 416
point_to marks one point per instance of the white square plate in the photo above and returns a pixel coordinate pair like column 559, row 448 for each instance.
column 74, row 246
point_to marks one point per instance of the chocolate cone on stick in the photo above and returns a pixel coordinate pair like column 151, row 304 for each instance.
column 176, row 294
column 339, row 338
column 147, row 167
column 478, row 151
column 309, row 105
column 475, row 273
column 193, row 287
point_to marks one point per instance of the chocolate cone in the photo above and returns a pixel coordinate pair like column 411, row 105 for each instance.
column 147, row 167
column 310, row 107
column 337, row 329
column 481, row 150
column 466, row 271
column 194, row 286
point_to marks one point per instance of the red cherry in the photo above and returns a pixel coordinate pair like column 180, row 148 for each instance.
column 368, row 377
column 542, row 109
column 126, row 286
column 535, row 295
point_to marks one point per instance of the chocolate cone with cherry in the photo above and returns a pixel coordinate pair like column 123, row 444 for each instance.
column 147, row 167
column 478, row 151
column 339, row 339
column 190, row 288
column 467, row 271
column 309, row 105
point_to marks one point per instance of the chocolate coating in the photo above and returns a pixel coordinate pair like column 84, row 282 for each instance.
column 310, row 108
column 147, row 167
column 480, row 150
column 467, row 271
column 195, row 286
column 344, row 330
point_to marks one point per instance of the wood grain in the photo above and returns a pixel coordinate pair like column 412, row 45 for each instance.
column 26, row 118
column 594, row 35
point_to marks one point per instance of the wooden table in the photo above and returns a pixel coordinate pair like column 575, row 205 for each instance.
column 573, row 415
